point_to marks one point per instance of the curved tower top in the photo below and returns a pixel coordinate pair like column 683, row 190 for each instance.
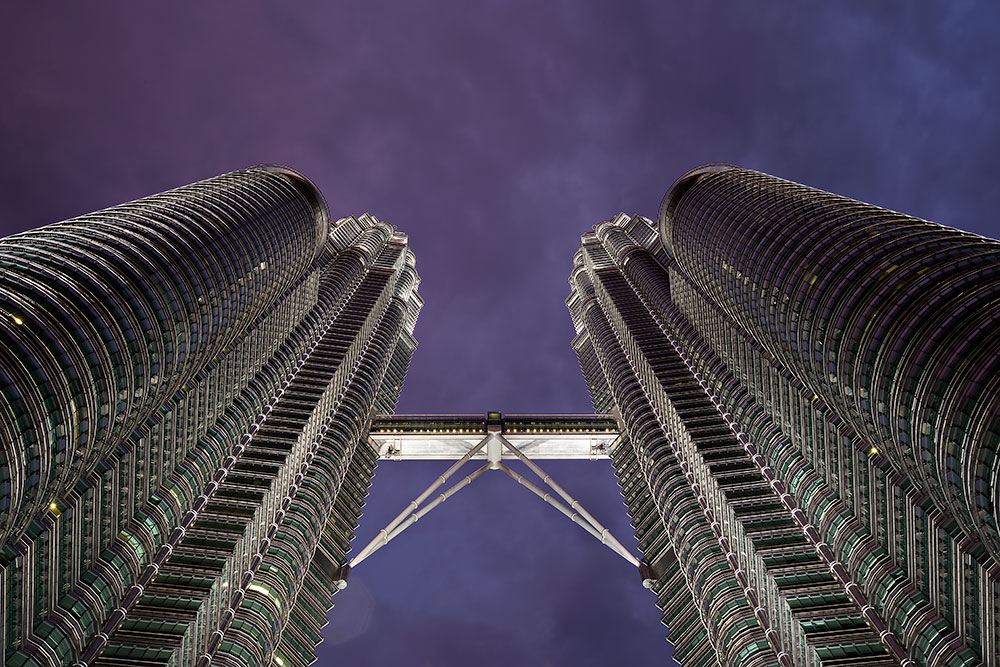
column 892, row 321
column 309, row 190
column 676, row 191
column 108, row 314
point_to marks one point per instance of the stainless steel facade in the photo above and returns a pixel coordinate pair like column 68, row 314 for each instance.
column 807, row 390
column 808, row 386
column 186, row 383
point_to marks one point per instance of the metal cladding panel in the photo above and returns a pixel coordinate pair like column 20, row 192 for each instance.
column 840, row 554
column 107, row 315
column 204, row 362
column 891, row 320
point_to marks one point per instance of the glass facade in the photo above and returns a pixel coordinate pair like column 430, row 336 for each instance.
column 186, row 382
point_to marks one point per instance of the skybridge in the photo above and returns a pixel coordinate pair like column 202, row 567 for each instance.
column 450, row 437
column 495, row 439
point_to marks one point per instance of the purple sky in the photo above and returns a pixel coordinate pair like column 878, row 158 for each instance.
column 494, row 137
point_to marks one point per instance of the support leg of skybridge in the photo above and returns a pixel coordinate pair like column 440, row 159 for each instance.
column 390, row 531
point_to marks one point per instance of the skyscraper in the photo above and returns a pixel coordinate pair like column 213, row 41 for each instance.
column 805, row 389
column 186, row 381
column 809, row 395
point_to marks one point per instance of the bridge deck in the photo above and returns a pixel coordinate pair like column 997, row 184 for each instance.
column 449, row 437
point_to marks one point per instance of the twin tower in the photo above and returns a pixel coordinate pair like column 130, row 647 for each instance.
column 800, row 393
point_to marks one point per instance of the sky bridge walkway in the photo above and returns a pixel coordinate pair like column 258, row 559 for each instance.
column 450, row 437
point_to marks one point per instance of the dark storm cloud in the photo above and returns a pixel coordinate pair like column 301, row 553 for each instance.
column 494, row 135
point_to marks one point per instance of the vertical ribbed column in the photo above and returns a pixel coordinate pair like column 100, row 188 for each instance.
column 888, row 543
column 843, row 568
column 252, row 341
column 153, row 333
column 715, row 621
column 826, row 577
column 276, row 616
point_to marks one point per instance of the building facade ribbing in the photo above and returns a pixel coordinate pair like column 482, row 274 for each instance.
column 186, row 383
column 807, row 387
